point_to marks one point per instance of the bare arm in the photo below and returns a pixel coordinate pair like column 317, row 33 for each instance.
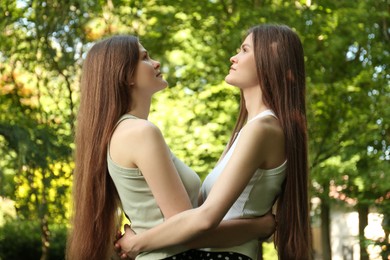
column 191, row 224
column 230, row 232
column 236, row 232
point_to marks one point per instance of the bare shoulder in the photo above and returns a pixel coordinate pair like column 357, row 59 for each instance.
column 131, row 138
column 264, row 129
column 135, row 129
column 267, row 140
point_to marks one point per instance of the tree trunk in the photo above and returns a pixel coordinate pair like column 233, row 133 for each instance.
column 43, row 214
column 44, row 238
column 325, row 230
column 363, row 222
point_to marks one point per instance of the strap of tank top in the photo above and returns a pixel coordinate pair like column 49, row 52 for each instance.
column 264, row 113
column 125, row 116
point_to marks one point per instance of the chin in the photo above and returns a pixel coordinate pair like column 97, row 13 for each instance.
column 229, row 81
column 164, row 86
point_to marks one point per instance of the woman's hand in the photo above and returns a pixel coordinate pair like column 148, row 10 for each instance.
column 123, row 244
column 117, row 247
column 267, row 225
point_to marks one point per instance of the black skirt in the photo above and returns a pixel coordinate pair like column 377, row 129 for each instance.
column 194, row 254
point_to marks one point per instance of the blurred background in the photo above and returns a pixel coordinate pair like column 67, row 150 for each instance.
column 347, row 55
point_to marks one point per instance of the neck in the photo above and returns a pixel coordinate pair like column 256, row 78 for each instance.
column 254, row 101
column 141, row 109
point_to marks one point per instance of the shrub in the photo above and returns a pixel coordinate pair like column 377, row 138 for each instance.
column 22, row 240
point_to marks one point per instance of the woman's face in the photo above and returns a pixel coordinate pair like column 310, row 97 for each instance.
column 242, row 72
column 148, row 76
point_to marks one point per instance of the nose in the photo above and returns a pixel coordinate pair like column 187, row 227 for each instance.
column 156, row 64
column 233, row 59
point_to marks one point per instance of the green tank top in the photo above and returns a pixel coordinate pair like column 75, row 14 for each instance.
column 138, row 202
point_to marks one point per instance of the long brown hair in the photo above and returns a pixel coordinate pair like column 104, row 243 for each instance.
column 105, row 95
column 280, row 69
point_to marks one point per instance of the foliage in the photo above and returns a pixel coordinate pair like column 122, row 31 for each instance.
column 198, row 135
column 348, row 93
column 269, row 252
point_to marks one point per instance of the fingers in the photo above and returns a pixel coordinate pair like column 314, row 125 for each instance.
column 117, row 248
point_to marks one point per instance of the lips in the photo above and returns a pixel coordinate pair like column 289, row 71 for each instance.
column 158, row 74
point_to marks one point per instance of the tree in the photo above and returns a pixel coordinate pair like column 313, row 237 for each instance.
column 39, row 75
column 347, row 89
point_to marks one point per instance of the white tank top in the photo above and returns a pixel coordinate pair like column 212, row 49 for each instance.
column 258, row 196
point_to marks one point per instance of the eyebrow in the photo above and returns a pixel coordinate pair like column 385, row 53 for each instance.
column 245, row 45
